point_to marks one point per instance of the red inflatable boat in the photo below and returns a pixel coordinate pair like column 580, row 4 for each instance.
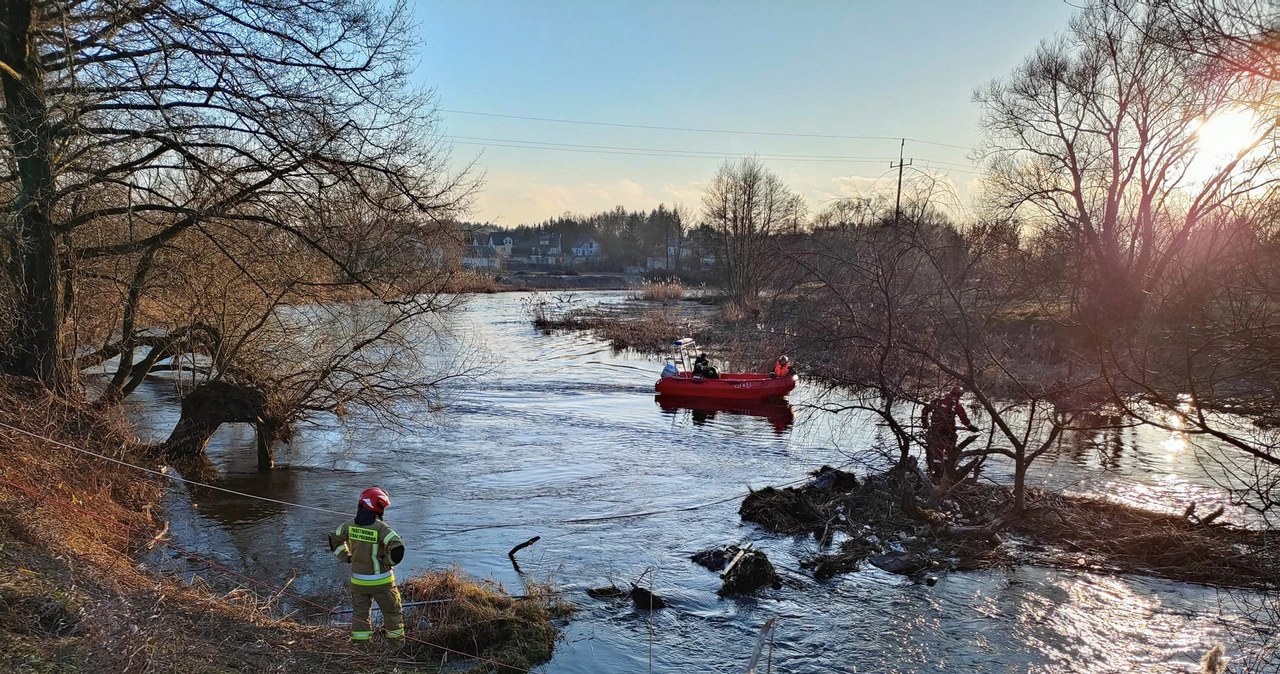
column 729, row 386
column 681, row 383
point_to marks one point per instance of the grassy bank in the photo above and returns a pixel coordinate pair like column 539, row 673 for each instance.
column 76, row 596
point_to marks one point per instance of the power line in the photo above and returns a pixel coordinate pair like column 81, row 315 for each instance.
column 177, row 478
column 701, row 130
column 641, row 152
column 897, row 212
column 652, row 154
column 440, row 531
column 673, row 151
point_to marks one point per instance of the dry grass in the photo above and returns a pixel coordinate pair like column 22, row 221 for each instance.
column 74, row 597
column 737, row 311
column 667, row 291
column 474, row 281
column 482, row 619
column 651, row 332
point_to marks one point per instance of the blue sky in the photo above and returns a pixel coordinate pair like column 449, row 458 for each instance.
column 829, row 68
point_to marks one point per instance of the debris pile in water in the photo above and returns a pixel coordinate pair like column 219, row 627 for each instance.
column 869, row 516
column 745, row 570
column 748, row 572
column 883, row 519
column 715, row 559
column 644, row 599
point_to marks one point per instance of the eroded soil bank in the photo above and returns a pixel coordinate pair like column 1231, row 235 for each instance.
column 78, row 534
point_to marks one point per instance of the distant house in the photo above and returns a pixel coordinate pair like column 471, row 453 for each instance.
column 587, row 247
column 481, row 257
column 502, row 242
column 675, row 257
column 544, row 249
column 548, row 243
column 681, row 252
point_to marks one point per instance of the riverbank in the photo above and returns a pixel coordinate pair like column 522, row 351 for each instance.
column 81, row 536
column 472, row 281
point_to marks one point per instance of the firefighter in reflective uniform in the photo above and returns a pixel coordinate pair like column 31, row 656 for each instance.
column 939, row 419
column 372, row 548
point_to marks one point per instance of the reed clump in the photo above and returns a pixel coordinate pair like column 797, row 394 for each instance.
column 511, row 634
column 667, row 291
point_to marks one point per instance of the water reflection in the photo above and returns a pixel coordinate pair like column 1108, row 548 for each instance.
column 703, row 411
column 567, row 429
column 232, row 510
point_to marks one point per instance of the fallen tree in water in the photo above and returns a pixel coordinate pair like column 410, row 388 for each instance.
column 881, row 520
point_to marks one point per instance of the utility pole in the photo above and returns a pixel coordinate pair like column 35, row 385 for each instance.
column 897, row 211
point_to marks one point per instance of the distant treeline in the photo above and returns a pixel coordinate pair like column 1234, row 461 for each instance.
column 626, row 237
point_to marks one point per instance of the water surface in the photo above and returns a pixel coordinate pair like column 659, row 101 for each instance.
column 564, row 429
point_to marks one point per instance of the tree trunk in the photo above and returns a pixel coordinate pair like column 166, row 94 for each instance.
column 1020, row 484
column 212, row 404
column 36, row 347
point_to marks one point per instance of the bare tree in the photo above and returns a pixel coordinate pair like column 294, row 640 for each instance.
column 1093, row 140
column 267, row 332
column 135, row 124
column 748, row 206
column 904, row 312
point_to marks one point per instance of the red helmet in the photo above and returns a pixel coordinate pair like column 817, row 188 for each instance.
column 375, row 499
column 957, row 391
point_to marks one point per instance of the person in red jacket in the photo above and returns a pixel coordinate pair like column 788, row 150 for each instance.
column 783, row 367
column 939, row 419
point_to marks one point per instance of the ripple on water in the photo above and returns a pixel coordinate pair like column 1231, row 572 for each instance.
column 566, row 429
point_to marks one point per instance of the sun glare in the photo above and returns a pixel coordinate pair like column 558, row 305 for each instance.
column 1219, row 139
column 1225, row 134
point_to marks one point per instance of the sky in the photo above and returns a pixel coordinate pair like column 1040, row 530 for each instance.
column 824, row 68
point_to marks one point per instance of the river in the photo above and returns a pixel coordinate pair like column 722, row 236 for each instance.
column 563, row 428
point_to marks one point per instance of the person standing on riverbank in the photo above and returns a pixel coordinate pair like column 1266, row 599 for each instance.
column 372, row 548
column 939, row 419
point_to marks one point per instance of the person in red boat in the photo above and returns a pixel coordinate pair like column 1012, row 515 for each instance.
column 703, row 368
column 939, row 419
column 782, row 368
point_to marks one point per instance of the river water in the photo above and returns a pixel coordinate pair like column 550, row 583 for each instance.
column 564, row 429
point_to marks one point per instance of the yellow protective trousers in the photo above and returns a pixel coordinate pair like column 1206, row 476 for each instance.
column 388, row 597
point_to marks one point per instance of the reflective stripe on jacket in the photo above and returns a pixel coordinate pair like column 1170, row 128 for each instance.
column 369, row 547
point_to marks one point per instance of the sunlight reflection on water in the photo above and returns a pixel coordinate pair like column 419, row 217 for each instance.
column 564, row 428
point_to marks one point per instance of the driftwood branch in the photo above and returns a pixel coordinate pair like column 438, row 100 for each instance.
column 511, row 554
